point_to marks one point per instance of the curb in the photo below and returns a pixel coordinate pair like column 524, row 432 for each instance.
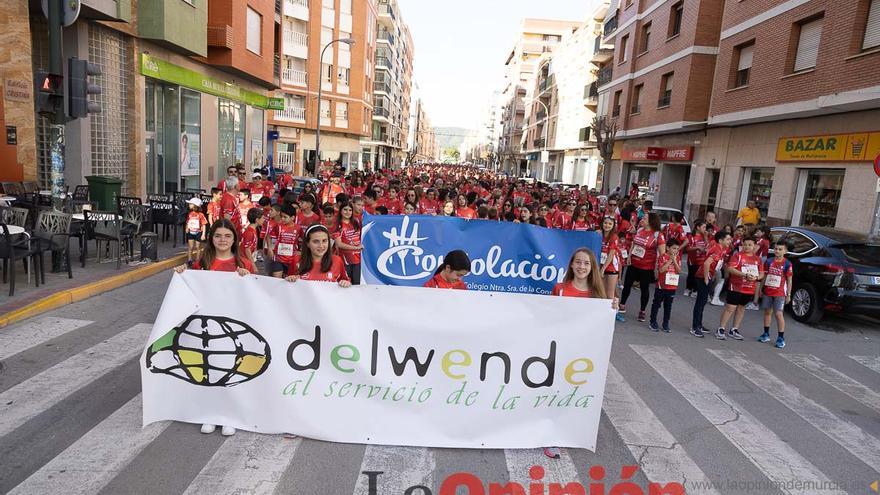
column 77, row 294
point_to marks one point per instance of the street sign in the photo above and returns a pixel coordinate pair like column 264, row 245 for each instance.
column 877, row 165
column 69, row 10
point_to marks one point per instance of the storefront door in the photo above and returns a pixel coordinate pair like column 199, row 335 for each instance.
column 757, row 185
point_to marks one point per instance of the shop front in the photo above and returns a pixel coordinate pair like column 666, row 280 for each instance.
column 660, row 173
column 196, row 125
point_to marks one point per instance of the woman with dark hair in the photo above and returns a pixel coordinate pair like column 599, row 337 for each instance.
column 347, row 238
column 524, row 215
column 412, row 197
column 648, row 243
column 610, row 259
column 221, row 254
column 581, row 221
column 449, row 274
column 463, row 210
column 316, row 262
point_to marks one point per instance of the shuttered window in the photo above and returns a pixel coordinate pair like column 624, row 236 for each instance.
column 745, row 57
column 808, row 45
column 254, row 31
column 872, row 28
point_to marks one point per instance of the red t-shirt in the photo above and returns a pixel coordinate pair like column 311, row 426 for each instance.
column 674, row 232
column 229, row 207
column 335, row 274
column 763, row 247
column 778, row 273
column 213, row 211
column 249, row 240
column 668, row 279
column 716, row 254
column 562, row 221
column 429, row 207
column 466, row 212
column 271, row 229
column 748, row 263
column 582, row 226
column 289, row 237
column 567, row 289
column 227, row 265
column 305, row 221
column 395, row 206
column 609, row 245
column 698, row 248
column 349, row 234
column 643, row 251
column 438, row 282
column 195, row 220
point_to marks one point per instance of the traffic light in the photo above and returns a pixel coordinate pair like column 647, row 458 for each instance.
column 79, row 88
column 50, row 95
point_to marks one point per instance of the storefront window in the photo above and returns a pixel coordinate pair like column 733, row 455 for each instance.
column 257, row 135
column 822, row 197
column 190, row 138
column 230, row 132
column 759, row 183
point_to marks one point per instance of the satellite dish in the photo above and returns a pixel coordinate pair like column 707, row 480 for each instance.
column 69, row 10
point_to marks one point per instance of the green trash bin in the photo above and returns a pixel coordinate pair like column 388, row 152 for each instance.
column 104, row 191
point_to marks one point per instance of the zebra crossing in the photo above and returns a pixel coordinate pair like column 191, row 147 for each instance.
column 711, row 417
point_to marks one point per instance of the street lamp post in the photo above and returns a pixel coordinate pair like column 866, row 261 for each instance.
column 347, row 41
column 547, row 110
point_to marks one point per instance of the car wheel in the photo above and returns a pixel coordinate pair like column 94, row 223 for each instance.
column 805, row 304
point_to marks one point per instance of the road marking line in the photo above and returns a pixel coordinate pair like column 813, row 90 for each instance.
column 402, row 468
column 660, row 456
column 769, row 453
column 814, row 366
column 246, row 463
column 36, row 332
column 40, row 392
column 519, row 461
column 871, row 362
column 97, row 457
column 862, row 445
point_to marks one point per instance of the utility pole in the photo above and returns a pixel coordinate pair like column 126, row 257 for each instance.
column 56, row 68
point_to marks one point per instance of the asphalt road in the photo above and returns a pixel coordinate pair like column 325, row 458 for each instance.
column 718, row 416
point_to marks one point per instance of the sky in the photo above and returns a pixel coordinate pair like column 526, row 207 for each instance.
column 460, row 49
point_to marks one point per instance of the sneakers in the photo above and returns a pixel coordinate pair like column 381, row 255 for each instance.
column 716, row 302
column 208, row 429
column 667, row 330
column 720, row 334
column 642, row 316
column 694, row 294
column 734, row 334
column 552, row 452
column 780, row 342
column 619, row 317
column 622, row 309
column 752, row 306
column 227, row 431
column 687, row 293
column 654, row 327
column 764, row 338
column 697, row 332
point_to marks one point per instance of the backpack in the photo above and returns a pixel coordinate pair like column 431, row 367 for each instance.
column 785, row 266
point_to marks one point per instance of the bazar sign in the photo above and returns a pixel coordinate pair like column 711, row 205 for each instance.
column 166, row 71
column 399, row 366
column 674, row 154
column 857, row 147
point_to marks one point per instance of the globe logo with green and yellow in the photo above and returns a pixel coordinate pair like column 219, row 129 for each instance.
column 211, row 351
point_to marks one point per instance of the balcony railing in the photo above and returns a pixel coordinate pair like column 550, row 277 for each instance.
column 385, row 36
column 591, row 91
column 294, row 76
column 278, row 7
column 637, row 108
column 665, row 99
column 604, row 76
column 300, row 3
column 384, row 62
column 285, row 159
column 385, row 9
column 296, row 37
column 539, row 143
column 615, row 112
column 380, row 112
column 276, row 66
column 544, row 84
column 611, row 24
column 292, row 114
column 382, row 86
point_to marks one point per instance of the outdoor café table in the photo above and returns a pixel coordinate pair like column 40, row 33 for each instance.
column 7, row 200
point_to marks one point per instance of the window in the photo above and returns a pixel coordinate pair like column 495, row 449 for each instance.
column 800, row 244
column 810, row 34
column 344, row 76
column 328, row 4
column 872, row 27
column 637, row 99
column 675, row 15
column 646, row 38
column 821, row 197
column 623, row 42
column 325, row 109
column 665, row 91
column 757, row 186
column 254, row 31
column 327, row 73
column 344, row 47
column 744, row 64
column 341, row 111
column 615, row 110
column 345, row 6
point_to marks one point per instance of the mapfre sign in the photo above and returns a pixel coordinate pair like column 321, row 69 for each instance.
column 674, row 154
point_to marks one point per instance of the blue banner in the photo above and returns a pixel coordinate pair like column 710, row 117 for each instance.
column 505, row 256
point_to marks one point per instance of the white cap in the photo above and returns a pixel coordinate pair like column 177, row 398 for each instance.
column 257, row 175
column 195, row 201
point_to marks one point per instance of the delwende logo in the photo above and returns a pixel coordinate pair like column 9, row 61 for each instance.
column 211, row 351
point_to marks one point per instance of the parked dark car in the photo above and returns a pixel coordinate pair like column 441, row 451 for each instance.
column 834, row 271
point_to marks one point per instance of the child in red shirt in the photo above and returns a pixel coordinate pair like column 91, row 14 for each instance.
column 214, row 206
column 581, row 280
column 195, row 229
column 347, row 238
column 705, row 273
column 745, row 270
column 777, row 292
column 289, row 235
column 669, row 268
column 250, row 237
column 306, row 217
column 316, row 262
column 449, row 274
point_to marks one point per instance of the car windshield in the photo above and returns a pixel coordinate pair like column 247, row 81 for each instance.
column 665, row 215
column 862, row 254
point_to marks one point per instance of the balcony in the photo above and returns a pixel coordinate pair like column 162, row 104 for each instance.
column 298, row 9
column 539, row 143
column 296, row 44
column 294, row 77
column 386, row 11
column 591, row 96
column 385, row 36
column 285, row 159
column 292, row 114
column 384, row 63
column 610, row 24
column 382, row 87
column 604, row 76
column 380, row 113
column 602, row 53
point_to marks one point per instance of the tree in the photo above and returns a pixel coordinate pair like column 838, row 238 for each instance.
column 605, row 130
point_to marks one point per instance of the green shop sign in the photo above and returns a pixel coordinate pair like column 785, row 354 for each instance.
column 166, row 71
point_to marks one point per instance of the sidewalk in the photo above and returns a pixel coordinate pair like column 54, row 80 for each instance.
column 27, row 295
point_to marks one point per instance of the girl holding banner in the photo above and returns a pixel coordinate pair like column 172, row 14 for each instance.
column 316, row 262
column 449, row 274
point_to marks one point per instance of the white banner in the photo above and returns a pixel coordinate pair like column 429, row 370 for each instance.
column 379, row 364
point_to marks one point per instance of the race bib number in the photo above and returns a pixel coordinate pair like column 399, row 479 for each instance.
column 256, row 197
column 751, row 270
column 603, row 258
column 672, row 279
column 773, row 281
column 285, row 249
column 193, row 225
column 623, row 253
column 638, row 251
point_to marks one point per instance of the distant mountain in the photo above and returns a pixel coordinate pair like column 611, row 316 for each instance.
column 450, row 137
